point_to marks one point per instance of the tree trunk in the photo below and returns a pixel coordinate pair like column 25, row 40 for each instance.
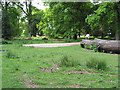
column 108, row 45
column 29, row 19
column 102, row 36
column 29, row 36
column 79, row 33
column 85, row 43
column 75, row 36
column 116, row 7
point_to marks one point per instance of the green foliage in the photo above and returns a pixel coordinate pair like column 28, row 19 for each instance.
column 6, row 28
column 95, row 63
column 68, row 40
column 6, row 42
column 94, row 47
column 64, row 19
column 10, row 21
column 104, row 19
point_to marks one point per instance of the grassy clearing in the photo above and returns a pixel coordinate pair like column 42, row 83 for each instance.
column 22, row 68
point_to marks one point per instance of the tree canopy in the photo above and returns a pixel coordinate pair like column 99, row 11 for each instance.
column 61, row 19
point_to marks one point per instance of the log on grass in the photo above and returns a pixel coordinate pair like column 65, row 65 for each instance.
column 86, row 43
column 108, row 45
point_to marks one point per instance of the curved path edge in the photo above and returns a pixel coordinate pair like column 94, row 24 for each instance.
column 52, row 44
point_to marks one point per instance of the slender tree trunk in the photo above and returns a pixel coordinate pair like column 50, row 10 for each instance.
column 102, row 35
column 79, row 33
column 29, row 35
column 29, row 19
column 117, row 33
column 75, row 36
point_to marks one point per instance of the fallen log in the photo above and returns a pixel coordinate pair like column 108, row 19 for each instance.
column 103, row 45
column 86, row 43
column 108, row 45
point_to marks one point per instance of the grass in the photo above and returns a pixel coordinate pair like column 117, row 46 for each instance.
column 21, row 67
column 68, row 61
column 97, row 64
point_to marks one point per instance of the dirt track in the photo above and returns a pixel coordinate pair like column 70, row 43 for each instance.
column 53, row 44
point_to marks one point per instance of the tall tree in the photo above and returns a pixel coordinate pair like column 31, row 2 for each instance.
column 37, row 16
column 67, row 19
column 28, row 13
column 6, row 28
column 105, row 19
column 10, row 20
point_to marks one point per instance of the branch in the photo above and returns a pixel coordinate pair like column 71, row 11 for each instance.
column 26, row 7
column 1, row 4
column 22, row 9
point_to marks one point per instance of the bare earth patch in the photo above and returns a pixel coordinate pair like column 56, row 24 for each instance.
column 76, row 86
column 72, row 71
column 29, row 83
column 48, row 70
column 85, row 72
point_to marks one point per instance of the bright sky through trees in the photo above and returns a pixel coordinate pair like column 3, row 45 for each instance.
column 39, row 4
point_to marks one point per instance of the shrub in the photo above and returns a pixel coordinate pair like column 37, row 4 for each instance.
column 6, row 42
column 44, row 38
column 96, row 64
column 68, row 40
column 88, row 47
column 67, row 61
column 94, row 47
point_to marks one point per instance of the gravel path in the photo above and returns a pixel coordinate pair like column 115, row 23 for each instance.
column 53, row 44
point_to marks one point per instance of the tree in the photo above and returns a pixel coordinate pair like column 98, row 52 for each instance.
column 46, row 23
column 28, row 14
column 105, row 19
column 6, row 29
column 10, row 20
column 37, row 16
column 67, row 19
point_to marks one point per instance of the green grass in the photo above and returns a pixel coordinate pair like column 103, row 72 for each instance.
column 21, row 68
column 97, row 64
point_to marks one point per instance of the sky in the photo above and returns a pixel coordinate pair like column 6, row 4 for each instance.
column 40, row 5
column 37, row 3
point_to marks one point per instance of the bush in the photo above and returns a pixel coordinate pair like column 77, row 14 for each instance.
column 68, row 40
column 96, row 64
column 68, row 61
column 88, row 47
column 6, row 42
column 44, row 38
column 94, row 47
